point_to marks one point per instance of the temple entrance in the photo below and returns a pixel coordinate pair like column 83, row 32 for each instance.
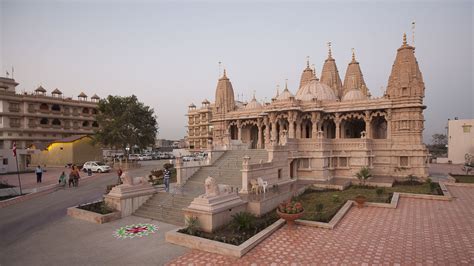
column 234, row 132
column 329, row 129
column 253, row 137
column 379, row 127
column 352, row 128
column 306, row 129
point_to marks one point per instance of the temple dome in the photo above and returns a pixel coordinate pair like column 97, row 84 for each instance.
column 354, row 95
column 253, row 105
column 285, row 95
column 315, row 89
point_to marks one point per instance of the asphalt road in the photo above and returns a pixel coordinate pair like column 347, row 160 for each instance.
column 24, row 218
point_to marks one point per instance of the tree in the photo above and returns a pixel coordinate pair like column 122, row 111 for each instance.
column 125, row 122
column 439, row 139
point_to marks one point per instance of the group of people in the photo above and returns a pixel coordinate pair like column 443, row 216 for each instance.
column 73, row 179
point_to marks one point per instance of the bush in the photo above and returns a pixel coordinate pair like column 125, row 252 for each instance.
column 363, row 174
column 319, row 207
column 192, row 225
column 335, row 198
column 243, row 221
column 412, row 179
column 379, row 191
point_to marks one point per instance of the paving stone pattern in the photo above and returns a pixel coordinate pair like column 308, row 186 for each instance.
column 419, row 231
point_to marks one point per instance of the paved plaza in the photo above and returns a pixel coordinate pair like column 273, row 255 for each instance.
column 417, row 232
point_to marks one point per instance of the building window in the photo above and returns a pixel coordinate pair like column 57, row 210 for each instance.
column 94, row 111
column 85, row 124
column 304, row 163
column 44, row 121
column 334, row 162
column 56, row 107
column 5, row 161
column 279, row 173
column 343, row 161
column 403, row 161
column 56, row 122
column 95, row 124
column 44, row 107
column 466, row 128
column 85, row 110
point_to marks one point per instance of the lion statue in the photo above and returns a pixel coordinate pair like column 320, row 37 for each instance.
column 213, row 189
column 132, row 181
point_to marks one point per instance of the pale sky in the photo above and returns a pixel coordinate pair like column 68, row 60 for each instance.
column 167, row 53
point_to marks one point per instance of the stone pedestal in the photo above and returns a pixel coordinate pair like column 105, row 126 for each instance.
column 128, row 198
column 214, row 212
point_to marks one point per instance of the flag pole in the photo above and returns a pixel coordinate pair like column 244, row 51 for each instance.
column 18, row 173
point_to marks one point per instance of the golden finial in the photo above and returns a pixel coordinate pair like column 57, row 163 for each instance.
column 225, row 74
column 404, row 39
column 413, row 33
column 307, row 61
column 286, row 84
column 329, row 50
column 353, row 55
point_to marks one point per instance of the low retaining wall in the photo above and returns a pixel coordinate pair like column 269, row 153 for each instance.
column 33, row 194
column 92, row 216
column 212, row 246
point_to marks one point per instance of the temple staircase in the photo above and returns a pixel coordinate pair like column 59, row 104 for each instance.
column 167, row 207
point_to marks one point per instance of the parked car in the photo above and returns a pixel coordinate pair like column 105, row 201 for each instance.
column 96, row 166
column 144, row 157
column 188, row 158
column 133, row 157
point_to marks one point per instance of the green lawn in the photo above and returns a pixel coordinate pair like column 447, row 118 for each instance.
column 464, row 178
column 333, row 200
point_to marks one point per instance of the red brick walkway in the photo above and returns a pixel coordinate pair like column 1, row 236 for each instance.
column 417, row 232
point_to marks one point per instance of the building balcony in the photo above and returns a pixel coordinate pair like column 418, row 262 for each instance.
column 44, row 125
column 44, row 111
column 15, row 109
column 15, row 125
column 66, row 112
column 31, row 110
column 32, row 125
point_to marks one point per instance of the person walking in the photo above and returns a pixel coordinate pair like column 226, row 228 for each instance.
column 39, row 174
column 119, row 175
column 62, row 179
column 166, row 177
column 76, row 176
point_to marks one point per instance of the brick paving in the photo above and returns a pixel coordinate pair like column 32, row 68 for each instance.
column 419, row 231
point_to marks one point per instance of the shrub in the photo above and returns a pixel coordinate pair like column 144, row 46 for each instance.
column 243, row 221
column 363, row 174
column 319, row 207
column 379, row 191
column 433, row 186
column 412, row 179
column 335, row 198
column 290, row 207
column 192, row 225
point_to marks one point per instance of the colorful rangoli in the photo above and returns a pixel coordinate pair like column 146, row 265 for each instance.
column 131, row 231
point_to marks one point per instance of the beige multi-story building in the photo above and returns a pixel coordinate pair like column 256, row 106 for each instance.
column 460, row 139
column 199, row 126
column 328, row 128
column 35, row 119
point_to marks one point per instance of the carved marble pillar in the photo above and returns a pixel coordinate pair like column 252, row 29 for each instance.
column 314, row 127
column 298, row 128
column 291, row 124
column 267, row 131
column 389, row 123
column 259, row 137
column 337, row 121
column 239, row 130
column 368, row 126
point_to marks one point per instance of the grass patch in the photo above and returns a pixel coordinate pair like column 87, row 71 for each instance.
column 322, row 205
column 97, row 207
column 231, row 234
column 10, row 197
column 463, row 178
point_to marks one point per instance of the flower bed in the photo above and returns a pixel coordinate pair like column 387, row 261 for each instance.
column 322, row 205
column 243, row 227
column 463, row 178
column 96, row 212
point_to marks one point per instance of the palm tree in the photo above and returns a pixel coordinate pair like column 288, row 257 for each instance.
column 363, row 174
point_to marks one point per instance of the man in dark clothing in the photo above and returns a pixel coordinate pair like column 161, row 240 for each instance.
column 166, row 178
column 39, row 174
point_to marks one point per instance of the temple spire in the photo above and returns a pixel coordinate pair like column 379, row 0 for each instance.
column 353, row 55
column 329, row 50
column 307, row 61
column 404, row 39
column 286, row 84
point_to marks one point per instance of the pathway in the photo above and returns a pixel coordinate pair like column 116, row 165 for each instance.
column 417, row 232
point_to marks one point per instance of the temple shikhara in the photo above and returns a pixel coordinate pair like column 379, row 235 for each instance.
column 329, row 127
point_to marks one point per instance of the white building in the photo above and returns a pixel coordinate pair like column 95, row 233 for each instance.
column 460, row 139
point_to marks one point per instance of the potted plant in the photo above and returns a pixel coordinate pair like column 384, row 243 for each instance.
column 290, row 211
column 360, row 199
